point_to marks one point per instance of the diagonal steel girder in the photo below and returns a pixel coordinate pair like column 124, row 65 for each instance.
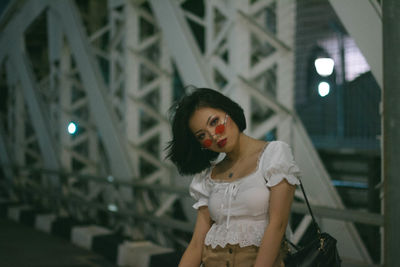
column 89, row 71
column 36, row 112
column 11, row 44
column 181, row 43
column 363, row 22
column 10, row 29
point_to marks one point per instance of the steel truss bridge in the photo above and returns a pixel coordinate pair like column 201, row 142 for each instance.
column 113, row 68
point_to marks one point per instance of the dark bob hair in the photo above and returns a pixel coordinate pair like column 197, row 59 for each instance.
column 184, row 150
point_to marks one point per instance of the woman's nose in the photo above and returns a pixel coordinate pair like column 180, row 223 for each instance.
column 213, row 136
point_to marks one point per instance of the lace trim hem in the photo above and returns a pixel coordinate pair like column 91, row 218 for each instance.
column 239, row 233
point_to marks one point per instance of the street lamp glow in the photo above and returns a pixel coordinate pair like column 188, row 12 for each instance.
column 324, row 66
column 112, row 207
column 110, row 178
column 323, row 89
column 72, row 128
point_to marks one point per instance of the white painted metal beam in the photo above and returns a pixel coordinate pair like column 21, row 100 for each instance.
column 11, row 44
column 55, row 38
column 363, row 22
column 181, row 43
column 264, row 33
column 37, row 114
column 95, row 88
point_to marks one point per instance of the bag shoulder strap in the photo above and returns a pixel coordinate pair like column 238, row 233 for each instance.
column 309, row 209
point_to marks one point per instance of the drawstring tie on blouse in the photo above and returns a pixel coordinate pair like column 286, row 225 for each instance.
column 230, row 192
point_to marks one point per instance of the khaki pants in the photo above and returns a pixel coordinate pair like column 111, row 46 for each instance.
column 232, row 256
column 229, row 256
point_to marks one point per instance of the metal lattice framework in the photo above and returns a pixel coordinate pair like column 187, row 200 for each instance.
column 140, row 86
column 112, row 73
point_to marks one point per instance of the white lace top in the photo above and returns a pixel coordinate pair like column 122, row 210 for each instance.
column 239, row 208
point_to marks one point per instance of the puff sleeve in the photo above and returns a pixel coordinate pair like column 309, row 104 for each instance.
column 200, row 189
column 280, row 165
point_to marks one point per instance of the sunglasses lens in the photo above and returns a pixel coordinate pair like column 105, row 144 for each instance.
column 207, row 143
column 220, row 129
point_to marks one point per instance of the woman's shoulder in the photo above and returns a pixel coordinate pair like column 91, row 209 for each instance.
column 201, row 179
column 278, row 146
column 279, row 164
column 276, row 151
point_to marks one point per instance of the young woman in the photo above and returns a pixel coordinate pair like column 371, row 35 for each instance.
column 244, row 200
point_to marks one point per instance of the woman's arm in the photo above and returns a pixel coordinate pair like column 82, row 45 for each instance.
column 281, row 197
column 192, row 255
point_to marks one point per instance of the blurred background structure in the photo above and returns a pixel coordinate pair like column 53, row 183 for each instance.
column 86, row 86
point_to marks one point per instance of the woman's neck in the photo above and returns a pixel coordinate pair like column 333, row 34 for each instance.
column 243, row 147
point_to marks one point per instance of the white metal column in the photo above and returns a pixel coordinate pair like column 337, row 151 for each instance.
column 148, row 74
column 365, row 28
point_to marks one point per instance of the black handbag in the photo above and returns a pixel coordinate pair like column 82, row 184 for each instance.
column 321, row 251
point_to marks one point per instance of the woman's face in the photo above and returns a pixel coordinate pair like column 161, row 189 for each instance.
column 213, row 128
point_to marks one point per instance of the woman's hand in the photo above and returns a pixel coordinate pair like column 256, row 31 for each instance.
column 193, row 253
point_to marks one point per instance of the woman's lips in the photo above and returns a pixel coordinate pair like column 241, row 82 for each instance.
column 222, row 142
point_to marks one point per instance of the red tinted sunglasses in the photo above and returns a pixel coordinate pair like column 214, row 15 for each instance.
column 219, row 129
